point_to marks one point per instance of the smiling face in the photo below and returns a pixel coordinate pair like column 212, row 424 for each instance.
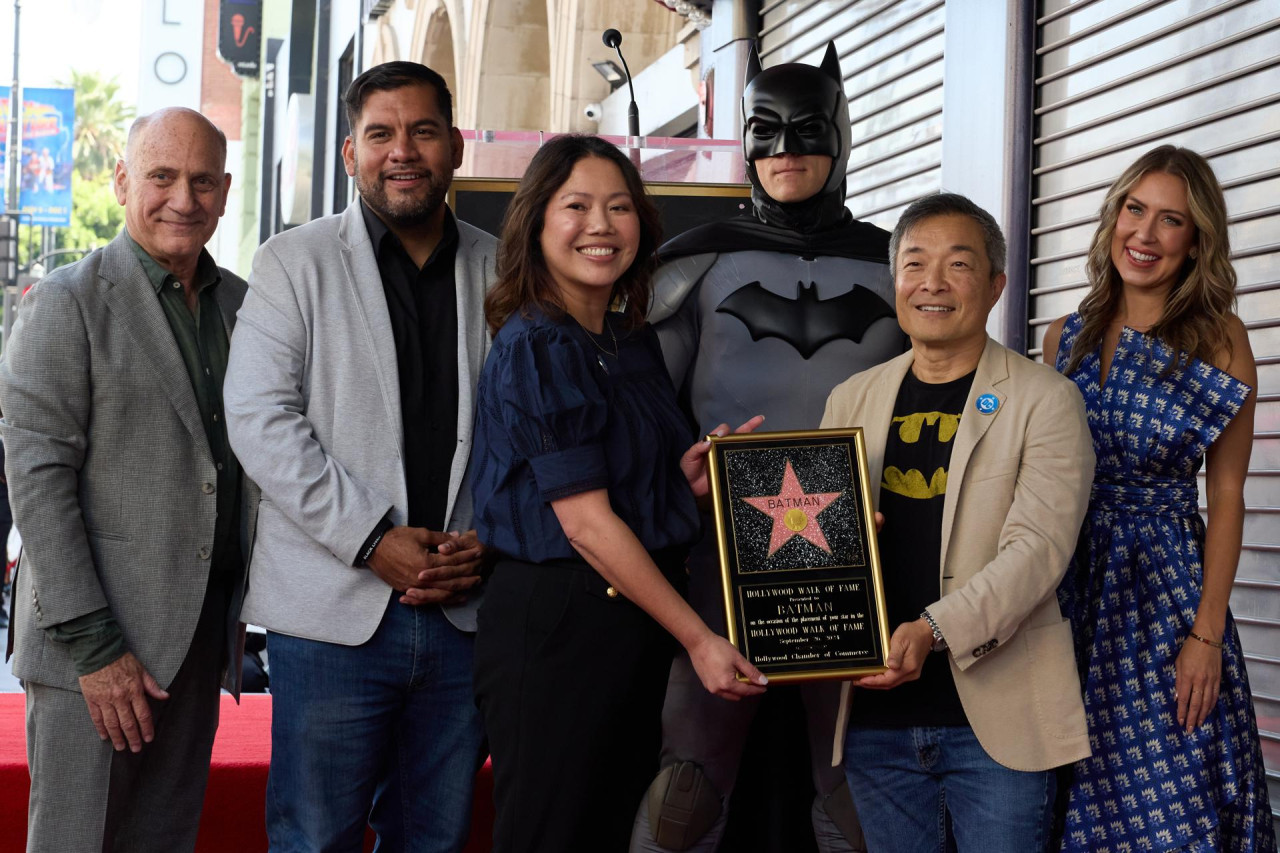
column 590, row 233
column 402, row 154
column 1154, row 233
column 944, row 285
column 789, row 178
column 173, row 187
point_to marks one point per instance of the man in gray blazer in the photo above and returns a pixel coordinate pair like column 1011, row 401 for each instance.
column 129, row 502
column 349, row 398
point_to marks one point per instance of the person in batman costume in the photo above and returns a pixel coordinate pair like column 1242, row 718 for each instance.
column 765, row 315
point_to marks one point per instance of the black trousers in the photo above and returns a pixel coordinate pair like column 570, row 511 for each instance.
column 570, row 682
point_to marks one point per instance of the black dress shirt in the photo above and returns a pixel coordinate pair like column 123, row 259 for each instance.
column 423, row 306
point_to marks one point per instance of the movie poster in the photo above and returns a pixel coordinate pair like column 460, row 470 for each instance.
column 46, row 162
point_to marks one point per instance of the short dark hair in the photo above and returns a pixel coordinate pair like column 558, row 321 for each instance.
column 950, row 204
column 395, row 75
column 523, row 277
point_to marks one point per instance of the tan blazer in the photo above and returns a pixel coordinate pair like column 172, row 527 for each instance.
column 1017, row 491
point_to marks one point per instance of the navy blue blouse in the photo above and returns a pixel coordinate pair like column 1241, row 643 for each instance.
column 558, row 415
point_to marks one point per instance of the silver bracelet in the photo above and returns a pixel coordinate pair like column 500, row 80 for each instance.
column 939, row 641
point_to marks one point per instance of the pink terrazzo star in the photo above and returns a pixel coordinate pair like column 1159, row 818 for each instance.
column 794, row 512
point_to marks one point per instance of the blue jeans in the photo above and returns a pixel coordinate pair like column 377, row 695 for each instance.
column 385, row 732
column 909, row 784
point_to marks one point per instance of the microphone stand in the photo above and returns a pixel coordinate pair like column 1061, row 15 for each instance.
column 612, row 38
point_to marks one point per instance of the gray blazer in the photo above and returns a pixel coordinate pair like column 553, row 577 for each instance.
column 108, row 467
column 313, row 410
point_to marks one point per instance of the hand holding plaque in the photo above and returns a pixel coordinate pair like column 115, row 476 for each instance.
column 798, row 556
column 694, row 462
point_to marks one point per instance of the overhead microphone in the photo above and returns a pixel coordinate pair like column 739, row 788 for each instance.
column 612, row 38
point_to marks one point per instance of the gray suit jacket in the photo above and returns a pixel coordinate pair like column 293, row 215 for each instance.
column 313, row 408
column 107, row 462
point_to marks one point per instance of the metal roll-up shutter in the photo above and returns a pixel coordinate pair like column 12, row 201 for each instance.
column 1115, row 78
column 891, row 57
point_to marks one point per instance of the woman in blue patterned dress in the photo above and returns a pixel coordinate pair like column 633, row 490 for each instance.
column 1167, row 376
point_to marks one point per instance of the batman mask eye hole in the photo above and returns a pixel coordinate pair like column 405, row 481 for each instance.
column 814, row 127
column 760, row 130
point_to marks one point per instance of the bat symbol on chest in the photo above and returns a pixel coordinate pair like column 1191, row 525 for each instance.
column 806, row 322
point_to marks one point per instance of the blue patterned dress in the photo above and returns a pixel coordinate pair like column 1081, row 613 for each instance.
column 1132, row 596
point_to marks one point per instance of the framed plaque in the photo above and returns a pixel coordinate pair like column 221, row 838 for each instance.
column 798, row 557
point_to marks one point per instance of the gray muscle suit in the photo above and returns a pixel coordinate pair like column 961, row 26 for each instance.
column 765, row 315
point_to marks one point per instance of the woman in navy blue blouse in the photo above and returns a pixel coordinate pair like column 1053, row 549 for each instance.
column 585, row 484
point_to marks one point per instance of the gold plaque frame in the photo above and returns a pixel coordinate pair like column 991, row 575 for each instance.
column 806, row 610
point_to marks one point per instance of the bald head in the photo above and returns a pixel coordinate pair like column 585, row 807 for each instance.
column 169, row 117
column 173, row 184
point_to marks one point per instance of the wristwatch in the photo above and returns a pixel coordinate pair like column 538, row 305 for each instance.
column 939, row 641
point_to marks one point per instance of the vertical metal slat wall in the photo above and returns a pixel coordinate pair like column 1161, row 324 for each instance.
column 1115, row 78
column 891, row 57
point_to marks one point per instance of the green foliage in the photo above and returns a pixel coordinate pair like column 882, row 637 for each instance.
column 99, row 217
column 100, row 121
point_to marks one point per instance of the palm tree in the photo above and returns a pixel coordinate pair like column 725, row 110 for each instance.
column 100, row 123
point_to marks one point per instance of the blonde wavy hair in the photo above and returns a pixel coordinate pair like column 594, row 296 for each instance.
column 1196, row 313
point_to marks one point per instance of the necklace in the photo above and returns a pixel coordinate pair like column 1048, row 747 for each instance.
column 599, row 346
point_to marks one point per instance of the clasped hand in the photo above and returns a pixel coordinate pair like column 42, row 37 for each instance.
column 404, row 559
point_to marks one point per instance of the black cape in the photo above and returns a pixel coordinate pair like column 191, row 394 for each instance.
column 849, row 239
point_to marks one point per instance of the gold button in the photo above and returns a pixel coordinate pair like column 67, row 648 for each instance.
column 207, row 488
column 611, row 592
column 204, row 553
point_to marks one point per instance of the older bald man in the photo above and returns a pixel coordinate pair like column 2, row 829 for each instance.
column 130, row 504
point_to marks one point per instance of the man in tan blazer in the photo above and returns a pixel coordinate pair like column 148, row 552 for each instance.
column 984, row 463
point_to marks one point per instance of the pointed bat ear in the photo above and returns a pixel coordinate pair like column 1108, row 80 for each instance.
column 831, row 64
column 753, row 66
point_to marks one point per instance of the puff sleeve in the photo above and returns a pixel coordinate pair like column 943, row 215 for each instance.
column 554, row 411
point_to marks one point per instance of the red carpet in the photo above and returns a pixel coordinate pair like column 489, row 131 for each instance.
column 233, row 817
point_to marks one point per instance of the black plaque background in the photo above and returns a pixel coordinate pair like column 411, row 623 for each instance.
column 824, row 461
column 825, row 466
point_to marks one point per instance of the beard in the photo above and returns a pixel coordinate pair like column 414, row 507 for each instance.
column 406, row 211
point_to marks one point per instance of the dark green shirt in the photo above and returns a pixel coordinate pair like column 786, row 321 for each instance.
column 94, row 639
